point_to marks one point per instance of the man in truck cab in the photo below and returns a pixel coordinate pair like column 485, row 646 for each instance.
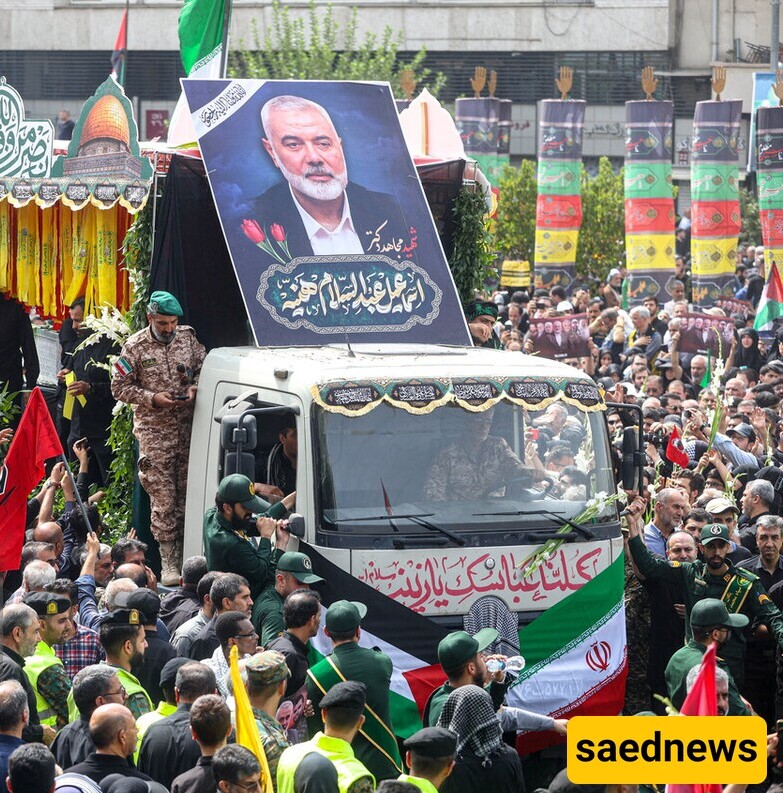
column 238, row 515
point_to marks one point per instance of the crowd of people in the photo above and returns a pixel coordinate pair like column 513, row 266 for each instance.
column 111, row 681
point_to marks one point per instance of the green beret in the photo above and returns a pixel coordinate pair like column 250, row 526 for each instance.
column 164, row 303
column 478, row 308
column 267, row 667
column 47, row 604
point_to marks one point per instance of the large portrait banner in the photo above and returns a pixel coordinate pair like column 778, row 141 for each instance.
column 324, row 216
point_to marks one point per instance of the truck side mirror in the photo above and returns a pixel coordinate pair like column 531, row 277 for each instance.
column 629, row 469
column 231, row 433
column 296, row 524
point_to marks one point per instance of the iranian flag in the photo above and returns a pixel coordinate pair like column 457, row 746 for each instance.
column 575, row 651
column 203, row 27
column 771, row 304
column 575, row 655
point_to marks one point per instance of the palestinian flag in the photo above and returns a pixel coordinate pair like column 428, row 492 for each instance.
column 201, row 40
column 120, row 50
column 409, row 639
column 771, row 303
column 575, row 655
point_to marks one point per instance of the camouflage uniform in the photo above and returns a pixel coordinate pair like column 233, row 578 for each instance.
column 274, row 739
column 145, row 368
column 456, row 474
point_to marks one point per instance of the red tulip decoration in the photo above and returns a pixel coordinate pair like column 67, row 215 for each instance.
column 255, row 233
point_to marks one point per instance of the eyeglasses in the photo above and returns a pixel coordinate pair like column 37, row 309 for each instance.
column 245, row 636
column 120, row 692
column 254, row 785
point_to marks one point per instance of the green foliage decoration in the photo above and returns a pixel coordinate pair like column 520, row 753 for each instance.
column 473, row 258
column 750, row 231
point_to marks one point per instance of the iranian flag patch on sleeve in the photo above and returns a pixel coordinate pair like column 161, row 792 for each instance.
column 122, row 367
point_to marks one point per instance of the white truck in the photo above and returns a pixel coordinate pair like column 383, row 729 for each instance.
column 372, row 422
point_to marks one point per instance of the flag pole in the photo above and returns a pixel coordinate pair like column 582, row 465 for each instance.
column 224, row 42
column 79, row 501
column 125, row 57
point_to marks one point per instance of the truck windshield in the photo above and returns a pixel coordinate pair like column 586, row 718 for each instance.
column 458, row 476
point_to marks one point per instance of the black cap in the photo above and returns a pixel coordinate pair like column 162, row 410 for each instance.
column 143, row 599
column 350, row 695
column 434, row 742
column 47, row 604
column 122, row 617
column 168, row 675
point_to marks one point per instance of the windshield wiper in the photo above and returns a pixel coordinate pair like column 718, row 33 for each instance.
column 553, row 518
column 414, row 517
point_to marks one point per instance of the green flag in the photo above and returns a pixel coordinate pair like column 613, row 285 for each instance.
column 201, row 37
column 705, row 381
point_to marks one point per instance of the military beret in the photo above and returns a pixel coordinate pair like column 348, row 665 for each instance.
column 143, row 599
column 267, row 667
column 432, row 742
column 47, row 604
column 345, row 615
column 350, row 695
column 122, row 617
column 164, row 303
column 168, row 674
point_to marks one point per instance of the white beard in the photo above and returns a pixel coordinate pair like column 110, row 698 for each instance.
column 318, row 191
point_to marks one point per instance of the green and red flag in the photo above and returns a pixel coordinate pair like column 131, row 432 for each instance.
column 769, row 146
column 770, row 305
column 120, row 50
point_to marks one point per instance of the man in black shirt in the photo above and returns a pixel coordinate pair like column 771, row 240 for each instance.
column 183, row 602
column 281, row 463
column 113, row 731
column 302, row 617
column 168, row 748
column 93, row 686
column 17, row 344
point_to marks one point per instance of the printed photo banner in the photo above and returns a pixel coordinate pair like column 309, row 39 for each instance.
column 705, row 334
column 715, row 218
column 769, row 157
column 559, row 204
column 649, row 199
column 324, row 216
column 561, row 337
column 357, row 398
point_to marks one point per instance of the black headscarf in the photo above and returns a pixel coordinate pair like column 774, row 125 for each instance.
column 751, row 357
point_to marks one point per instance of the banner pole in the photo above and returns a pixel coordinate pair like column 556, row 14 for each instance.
column 224, row 42
column 79, row 501
column 125, row 57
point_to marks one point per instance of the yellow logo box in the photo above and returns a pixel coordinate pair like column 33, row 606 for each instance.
column 608, row 750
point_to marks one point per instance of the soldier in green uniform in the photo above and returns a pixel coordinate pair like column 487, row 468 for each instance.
column 429, row 753
column 123, row 640
column 715, row 577
column 711, row 624
column 294, row 571
column 44, row 669
column 267, row 675
column 230, row 523
column 375, row 745
column 343, row 712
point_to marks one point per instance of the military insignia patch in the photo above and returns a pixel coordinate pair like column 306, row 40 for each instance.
column 307, row 564
column 51, row 607
column 675, row 564
column 133, row 618
column 148, row 362
column 764, row 599
column 122, row 367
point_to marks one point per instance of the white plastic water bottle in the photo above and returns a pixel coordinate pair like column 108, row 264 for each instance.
column 516, row 663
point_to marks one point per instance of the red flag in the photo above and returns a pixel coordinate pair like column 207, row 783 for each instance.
column 675, row 451
column 34, row 441
column 120, row 50
column 702, row 700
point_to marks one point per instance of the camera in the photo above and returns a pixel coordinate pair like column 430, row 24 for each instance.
column 654, row 437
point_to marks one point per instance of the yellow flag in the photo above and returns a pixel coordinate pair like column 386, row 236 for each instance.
column 28, row 263
column 247, row 730
column 82, row 226
column 68, row 404
column 5, row 246
column 106, row 255
column 49, row 240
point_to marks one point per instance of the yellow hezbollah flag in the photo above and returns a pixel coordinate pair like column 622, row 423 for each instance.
column 5, row 247
column 49, row 262
column 82, row 229
column 106, row 256
column 28, row 265
column 247, row 731
column 515, row 274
